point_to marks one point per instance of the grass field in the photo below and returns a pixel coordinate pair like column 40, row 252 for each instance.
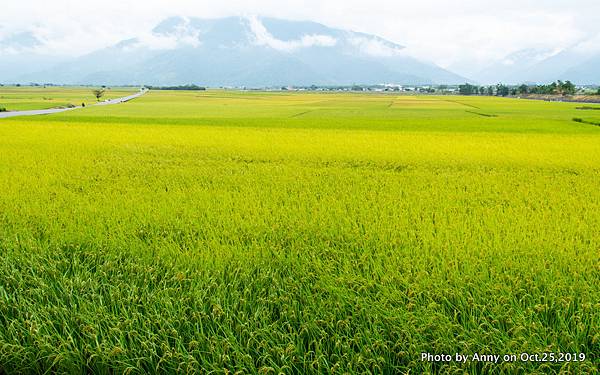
column 29, row 98
column 299, row 233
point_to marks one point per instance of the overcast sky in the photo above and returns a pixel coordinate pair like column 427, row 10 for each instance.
column 459, row 34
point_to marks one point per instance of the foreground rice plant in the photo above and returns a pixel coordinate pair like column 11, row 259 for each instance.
column 300, row 233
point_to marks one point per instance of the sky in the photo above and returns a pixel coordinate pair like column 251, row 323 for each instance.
column 462, row 35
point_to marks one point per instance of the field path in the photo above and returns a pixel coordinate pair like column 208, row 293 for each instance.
column 58, row 110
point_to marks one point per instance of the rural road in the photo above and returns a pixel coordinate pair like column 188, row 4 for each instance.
column 58, row 110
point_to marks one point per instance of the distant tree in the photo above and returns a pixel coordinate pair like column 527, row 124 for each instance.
column 598, row 92
column 490, row 90
column 555, row 88
column 481, row 90
column 502, row 90
column 558, row 87
column 98, row 93
column 543, row 89
column 568, row 88
column 523, row 89
column 468, row 89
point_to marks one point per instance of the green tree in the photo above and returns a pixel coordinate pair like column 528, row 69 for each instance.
column 568, row 88
column 98, row 93
column 523, row 89
column 502, row 90
column 558, row 87
column 468, row 89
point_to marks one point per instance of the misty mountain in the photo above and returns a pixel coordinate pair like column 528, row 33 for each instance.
column 577, row 64
column 586, row 72
column 506, row 68
column 245, row 51
column 18, row 56
column 550, row 69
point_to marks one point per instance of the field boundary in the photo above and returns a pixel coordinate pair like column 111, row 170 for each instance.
column 461, row 103
column 582, row 121
column 302, row 113
column 482, row 114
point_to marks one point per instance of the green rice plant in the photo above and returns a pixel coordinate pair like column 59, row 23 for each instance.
column 256, row 232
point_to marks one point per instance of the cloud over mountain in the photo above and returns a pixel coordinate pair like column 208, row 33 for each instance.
column 578, row 63
column 246, row 51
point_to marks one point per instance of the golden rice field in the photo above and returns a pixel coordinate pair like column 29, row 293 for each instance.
column 254, row 232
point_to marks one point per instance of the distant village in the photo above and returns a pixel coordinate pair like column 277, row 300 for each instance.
column 555, row 88
column 558, row 88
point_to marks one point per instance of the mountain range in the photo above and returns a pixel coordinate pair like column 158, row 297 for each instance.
column 579, row 64
column 238, row 51
column 266, row 52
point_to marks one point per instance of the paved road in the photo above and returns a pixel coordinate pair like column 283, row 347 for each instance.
column 122, row 100
column 58, row 110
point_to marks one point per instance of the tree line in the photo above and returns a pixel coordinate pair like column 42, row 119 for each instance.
column 178, row 88
column 555, row 88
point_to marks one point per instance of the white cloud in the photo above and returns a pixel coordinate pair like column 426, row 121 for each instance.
column 376, row 47
column 530, row 56
column 589, row 45
column 318, row 40
column 182, row 34
column 264, row 38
